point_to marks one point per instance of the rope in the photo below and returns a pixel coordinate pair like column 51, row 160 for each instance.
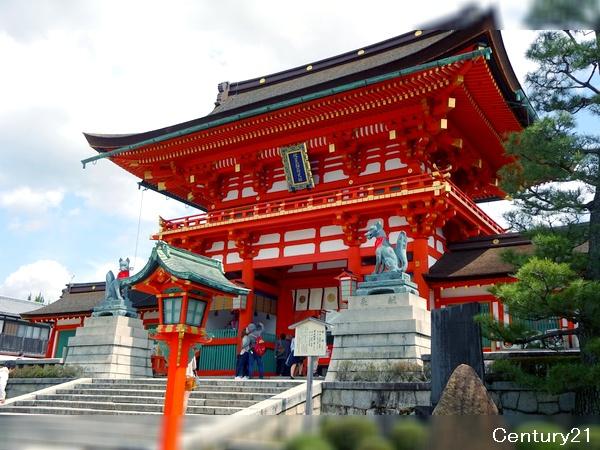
column 137, row 239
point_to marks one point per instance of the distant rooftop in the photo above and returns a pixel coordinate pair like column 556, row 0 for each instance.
column 14, row 306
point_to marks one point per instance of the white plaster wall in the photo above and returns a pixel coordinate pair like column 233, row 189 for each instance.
column 397, row 221
column 269, row 239
column 216, row 246
column 279, row 186
column 231, row 195
column 332, row 246
column 297, row 235
column 430, row 261
column 233, row 258
column 439, row 246
column 301, row 268
column 331, row 230
column 73, row 321
column 335, row 175
column 371, row 168
column 332, row 264
column 302, row 249
column 267, row 253
column 249, row 192
column 465, row 291
column 394, row 163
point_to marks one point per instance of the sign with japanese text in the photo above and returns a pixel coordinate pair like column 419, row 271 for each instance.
column 297, row 167
column 310, row 340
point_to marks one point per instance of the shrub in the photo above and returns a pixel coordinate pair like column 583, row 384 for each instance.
column 47, row 372
column 374, row 443
column 409, row 435
column 307, row 442
column 348, row 432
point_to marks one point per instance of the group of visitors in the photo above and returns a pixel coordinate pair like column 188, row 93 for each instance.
column 252, row 350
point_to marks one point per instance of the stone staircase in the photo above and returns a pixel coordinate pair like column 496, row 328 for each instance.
column 146, row 396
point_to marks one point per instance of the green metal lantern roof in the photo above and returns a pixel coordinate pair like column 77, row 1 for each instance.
column 187, row 266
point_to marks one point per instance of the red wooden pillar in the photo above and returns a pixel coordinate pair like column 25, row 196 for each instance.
column 51, row 340
column 285, row 310
column 420, row 263
column 354, row 261
column 247, row 315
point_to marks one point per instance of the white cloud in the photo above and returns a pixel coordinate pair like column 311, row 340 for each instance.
column 25, row 199
column 46, row 276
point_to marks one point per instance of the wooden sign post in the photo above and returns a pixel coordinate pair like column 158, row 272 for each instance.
column 310, row 341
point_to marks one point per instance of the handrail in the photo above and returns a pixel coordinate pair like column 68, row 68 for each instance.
column 327, row 199
column 321, row 199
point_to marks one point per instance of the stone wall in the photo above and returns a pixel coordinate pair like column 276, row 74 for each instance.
column 512, row 399
column 21, row 386
column 363, row 397
column 355, row 397
column 289, row 403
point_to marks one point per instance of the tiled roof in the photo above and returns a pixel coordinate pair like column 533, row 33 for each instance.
column 479, row 258
column 15, row 306
column 81, row 298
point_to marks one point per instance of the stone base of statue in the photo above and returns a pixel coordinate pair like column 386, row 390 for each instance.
column 111, row 347
column 387, row 282
column 379, row 336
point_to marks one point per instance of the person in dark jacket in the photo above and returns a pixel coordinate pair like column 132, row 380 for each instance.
column 282, row 350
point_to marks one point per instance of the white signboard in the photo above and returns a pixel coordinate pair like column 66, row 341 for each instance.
column 310, row 340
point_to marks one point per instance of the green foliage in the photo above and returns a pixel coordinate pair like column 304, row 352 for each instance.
column 555, row 376
column 539, row 427
column 375, row 443
column 47, row 371
column 347, row 433
column 409, row 435
column 308, row 442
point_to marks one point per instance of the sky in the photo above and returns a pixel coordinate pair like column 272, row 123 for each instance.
column 127, row 66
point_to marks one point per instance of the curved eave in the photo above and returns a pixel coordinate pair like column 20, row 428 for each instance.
column 156, row 260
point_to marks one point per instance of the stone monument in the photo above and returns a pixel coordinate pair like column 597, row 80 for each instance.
column 112, row 342
column 386, row 322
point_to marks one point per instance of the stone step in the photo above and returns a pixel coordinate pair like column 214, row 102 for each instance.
column 126, row 393
column 141, row 408
column 237, row 403
column 201, row 388
column 64, row 411
column 201, row 381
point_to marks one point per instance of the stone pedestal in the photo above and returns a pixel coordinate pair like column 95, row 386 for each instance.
column 111, row 347
column 377, row 333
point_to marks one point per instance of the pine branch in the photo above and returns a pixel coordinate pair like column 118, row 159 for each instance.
column 547, row 335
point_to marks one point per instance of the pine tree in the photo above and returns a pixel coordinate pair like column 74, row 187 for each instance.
column 39, row 298
column 555, row 181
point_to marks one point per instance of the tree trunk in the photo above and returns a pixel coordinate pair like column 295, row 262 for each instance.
column 593, row 266
column 587, row 399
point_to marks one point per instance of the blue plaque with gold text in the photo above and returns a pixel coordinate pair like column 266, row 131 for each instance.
column 297, row 167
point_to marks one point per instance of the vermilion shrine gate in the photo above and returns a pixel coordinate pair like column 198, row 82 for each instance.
column 408, row 131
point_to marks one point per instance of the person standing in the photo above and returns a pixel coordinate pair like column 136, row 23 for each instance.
column 5, row 372
column 294, row 360
column 241, row 369
column 256, row 349
column 282, row 351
